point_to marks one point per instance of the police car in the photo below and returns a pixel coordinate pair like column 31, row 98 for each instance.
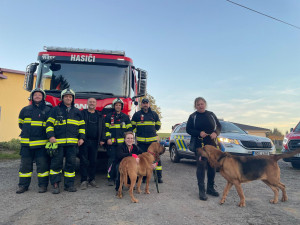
column 232, row 139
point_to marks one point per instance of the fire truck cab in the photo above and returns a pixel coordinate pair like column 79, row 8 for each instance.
column 104, row 75
column 101, row 74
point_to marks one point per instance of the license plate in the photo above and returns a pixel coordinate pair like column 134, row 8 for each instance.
column 260, row 153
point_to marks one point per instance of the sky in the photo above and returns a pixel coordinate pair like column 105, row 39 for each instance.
column 244, row 64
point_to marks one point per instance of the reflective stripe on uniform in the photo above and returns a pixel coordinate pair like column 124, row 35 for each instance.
column 118, row 140
column 48, row 129
column 81, row 122
column 51, row 120
column 146, row 123
column 24, row 140
column 25, row 174
column 27, row 120
column 115, row 126
column 21, row 121
column 52, row 172
column 72, row 140
column 133, row 122
column 128, row 126
column 74, row 122
column 37, row 123
column 67, row 174
column 82, row 131
column 39, row 142
column 158, row 168
column 157, row 123
column 46, row 174
column 143, row 139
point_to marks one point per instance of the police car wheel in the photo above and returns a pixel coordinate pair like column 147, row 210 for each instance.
column 175, row 158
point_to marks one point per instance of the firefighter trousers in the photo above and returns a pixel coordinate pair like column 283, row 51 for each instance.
column 88, row 158
column 28, row 156
column 111, row 164
column 56, row 165
column 144, row 147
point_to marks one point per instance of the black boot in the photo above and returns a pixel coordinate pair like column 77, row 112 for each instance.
column 211, row 190
column 21, row 189
column 202, row 195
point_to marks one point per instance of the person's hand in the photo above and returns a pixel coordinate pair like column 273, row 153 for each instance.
column 137, row 160
column 109, row 142
column 102, row 143
column 153, row 165
column 203, row 134
column 80, row 142
column 52, row 139
column 213, row 135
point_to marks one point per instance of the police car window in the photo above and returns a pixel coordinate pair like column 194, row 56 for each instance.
column 182, row 129
column 176, row 129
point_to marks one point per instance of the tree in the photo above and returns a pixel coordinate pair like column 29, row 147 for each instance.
column 153, row 105
column 275, row 134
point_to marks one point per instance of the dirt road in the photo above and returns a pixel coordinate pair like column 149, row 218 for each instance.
column 177, row 202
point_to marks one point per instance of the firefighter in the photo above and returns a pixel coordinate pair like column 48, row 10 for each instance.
column 116, row 124
column 146, row 123
column 94, row 137
column 32, row 122
column 66, row 127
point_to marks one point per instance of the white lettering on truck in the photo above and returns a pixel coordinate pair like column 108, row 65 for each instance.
column 83, row 58
column 81, row 106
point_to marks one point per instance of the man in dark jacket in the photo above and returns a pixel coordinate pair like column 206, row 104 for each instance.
column 32, row 122
column 66, row 127
column 94, row 137
column 146, row 123
column 116, row 124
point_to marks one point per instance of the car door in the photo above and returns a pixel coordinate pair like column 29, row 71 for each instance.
column 182, row 140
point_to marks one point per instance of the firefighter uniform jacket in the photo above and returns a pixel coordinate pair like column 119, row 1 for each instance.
column 66, row 126
column 32, row 122
column 116, row 125
column 145, row 125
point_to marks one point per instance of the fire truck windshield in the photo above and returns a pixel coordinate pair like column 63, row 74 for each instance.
column 96, row 78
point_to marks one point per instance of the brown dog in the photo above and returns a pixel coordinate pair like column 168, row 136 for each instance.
column 129, row 167
column 242, row 169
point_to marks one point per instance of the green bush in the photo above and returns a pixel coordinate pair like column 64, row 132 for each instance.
column 13, row 145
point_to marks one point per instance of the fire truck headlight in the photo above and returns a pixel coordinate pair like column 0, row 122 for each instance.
column 108, row 106
column 285, row 141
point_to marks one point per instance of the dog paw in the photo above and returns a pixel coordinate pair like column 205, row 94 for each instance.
column 222, row 202
column 272, row 201
column 284, row 198
column 138, row 191
column 242, row 204
column 134, row 200
column 147, row 192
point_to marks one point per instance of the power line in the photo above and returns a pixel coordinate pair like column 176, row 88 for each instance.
column 264, row 14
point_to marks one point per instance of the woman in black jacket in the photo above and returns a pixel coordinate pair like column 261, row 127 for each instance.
column 126, row 149
column 204, row 127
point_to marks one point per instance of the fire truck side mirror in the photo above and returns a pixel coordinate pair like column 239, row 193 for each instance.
column 142, row 82
column 29, row 76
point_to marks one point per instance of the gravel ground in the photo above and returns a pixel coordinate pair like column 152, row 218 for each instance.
column 177, row 202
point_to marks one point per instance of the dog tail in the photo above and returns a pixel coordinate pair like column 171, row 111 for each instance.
column 287, row 155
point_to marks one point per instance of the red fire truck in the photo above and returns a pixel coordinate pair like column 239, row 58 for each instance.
column 104, row 75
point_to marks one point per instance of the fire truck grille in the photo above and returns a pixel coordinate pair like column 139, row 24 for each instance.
column 294, row 144
column 257, row 145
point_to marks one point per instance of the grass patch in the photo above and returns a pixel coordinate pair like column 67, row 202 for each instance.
column 10, row 149
column 163, row 135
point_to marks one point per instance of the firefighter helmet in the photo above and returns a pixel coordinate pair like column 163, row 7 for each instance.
column 37, row 90
column 67, row 91
column 118, row 100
